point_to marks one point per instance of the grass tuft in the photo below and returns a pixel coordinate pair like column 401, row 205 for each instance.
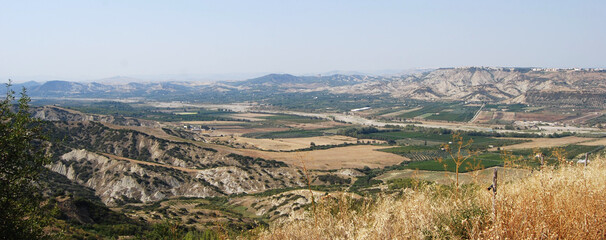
column 563, row 202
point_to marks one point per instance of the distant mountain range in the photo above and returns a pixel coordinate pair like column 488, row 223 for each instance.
column 473, row 84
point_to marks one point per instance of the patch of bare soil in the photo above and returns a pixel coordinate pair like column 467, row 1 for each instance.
column 545, row 117
column 601, row 141
column 334, row 158
column 238, row 130
column 545, row 143
column 504, row 116
column 483, row 117
column 294, row 143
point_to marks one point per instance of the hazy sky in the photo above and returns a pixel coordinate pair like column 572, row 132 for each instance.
column 80, row 40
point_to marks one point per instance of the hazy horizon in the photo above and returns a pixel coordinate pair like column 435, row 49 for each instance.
column 209, row 78
column 234, row 40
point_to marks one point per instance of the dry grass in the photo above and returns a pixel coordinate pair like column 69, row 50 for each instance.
column 335, row 158
column 297, row 143
column 413, row 215
column 564, row 203
column 568, row 203
column 544, row 142
column 236, row 130
column 599, row 142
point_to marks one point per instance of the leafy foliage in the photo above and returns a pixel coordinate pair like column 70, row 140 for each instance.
column 334, row 179
column 21, row 159
column 249, row 161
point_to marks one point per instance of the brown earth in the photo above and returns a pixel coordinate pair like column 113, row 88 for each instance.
column 601, row 141
column 334, row 158
column 505, row 116
column 286, row 144
column 545, row 117
column 238, row 130
column 544, row 142
column 484, row 116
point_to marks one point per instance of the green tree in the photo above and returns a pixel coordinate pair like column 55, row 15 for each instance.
column 21, row 160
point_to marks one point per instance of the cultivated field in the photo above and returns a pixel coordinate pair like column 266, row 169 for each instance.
column 487, row 116
column 334, row 158
column 481, row 176
column 236, row 130
column 545, row 143
column 484, row 116
column 598, row 142
column 251, row 116
column 213, row 122
column 544, row 116
column 398, row 113
column 318, row 125
column 296, row 143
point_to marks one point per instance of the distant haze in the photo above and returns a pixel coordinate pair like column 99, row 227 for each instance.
column 234, row 40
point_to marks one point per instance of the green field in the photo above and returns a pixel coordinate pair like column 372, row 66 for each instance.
column 449, row 165
column 417, row 153
column 397, row 135
column 429, row 108
column 285, row 134
column 479, row 142
column 490, row 159
column 518, row 107
column 425, row 115
column 186, row 113
column 149, row 113
column 457, row 112
column 293, row 118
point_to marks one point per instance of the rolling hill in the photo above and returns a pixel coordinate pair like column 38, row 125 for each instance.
column 558, row 87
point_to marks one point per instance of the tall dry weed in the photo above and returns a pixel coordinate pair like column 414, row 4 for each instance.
column 412, row 214
column 567, row 202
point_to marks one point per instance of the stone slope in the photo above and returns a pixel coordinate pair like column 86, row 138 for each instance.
column 130, row 166
column 484, row 84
